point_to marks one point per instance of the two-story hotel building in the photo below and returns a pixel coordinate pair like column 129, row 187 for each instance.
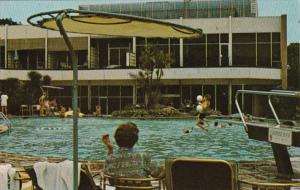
column 238, row 50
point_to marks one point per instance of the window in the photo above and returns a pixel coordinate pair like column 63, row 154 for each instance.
column 243, row 55
column 276, row 56
column 244, row 49
column 126, row 91
column 194, row 55
column 114, row 91
column 263, row 55
column 243, row 38
column 213, row 55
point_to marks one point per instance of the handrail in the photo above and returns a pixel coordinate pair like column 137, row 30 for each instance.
column 281, row 93
column 3, row 116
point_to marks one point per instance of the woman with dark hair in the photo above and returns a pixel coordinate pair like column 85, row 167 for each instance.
column 125, row 162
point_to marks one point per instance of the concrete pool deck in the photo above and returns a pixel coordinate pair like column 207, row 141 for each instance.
column 261, row 171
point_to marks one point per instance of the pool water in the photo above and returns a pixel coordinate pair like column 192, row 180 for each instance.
column 161, row 138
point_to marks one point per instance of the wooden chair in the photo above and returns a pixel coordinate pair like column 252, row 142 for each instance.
column 132, row 183
column 200, row 174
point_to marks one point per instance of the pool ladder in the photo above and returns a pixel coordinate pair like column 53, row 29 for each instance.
column 6, row 120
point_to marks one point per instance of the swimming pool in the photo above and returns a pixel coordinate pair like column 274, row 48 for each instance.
column 162, row 138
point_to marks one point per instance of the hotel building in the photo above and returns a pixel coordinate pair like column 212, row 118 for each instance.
column 238, row 50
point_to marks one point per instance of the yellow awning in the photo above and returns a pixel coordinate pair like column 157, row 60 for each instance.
column 100, row 23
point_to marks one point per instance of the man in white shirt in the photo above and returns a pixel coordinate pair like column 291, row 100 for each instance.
column 4, row 99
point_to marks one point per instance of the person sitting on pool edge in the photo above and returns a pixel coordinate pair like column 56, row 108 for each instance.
column 125, row 162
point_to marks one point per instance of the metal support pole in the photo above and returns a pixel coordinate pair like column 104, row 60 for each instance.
column 59, row 24
column 273, row 110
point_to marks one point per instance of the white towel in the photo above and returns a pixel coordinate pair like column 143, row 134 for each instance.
column 14, row 184
column 47, row 175
column 55, row 176
column 4, row 176
column 66, row 175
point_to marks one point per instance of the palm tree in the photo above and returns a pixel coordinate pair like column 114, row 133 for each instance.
column 13, row 88
column 33, row 86
column 153, row 60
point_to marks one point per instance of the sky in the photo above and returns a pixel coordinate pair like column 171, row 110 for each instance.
column 20, row 10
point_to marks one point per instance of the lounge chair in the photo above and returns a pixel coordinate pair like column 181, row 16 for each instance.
column 86, row 179
column 200, row 174
column 132, row 183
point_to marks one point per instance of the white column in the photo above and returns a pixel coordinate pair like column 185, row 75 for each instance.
column 181, row 47
column 89, row 51
column 229, row 97
column 215, row 97
column 181, row 51
column 46, row 50
column 133, row 44
column 230, row 41
column 108, row 54
column 89, row 97
column 134, row 97
column 5, row 46
column 243, row 98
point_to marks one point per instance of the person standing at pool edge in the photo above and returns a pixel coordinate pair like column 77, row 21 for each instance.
column 4, row 99
column 42, row 103
column 126, row 162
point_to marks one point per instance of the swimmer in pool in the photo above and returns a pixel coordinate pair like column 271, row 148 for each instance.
column 216, row 124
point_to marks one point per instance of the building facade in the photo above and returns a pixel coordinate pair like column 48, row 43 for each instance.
column 237, row 51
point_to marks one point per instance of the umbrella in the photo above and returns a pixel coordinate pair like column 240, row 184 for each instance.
column 102, row 23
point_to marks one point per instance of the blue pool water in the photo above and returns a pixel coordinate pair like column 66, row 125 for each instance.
column 160, row 138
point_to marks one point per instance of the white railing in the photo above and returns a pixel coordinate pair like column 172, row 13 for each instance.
column 6, row 120
column 269, row 94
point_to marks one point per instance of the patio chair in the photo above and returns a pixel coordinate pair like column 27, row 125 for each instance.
column 132, row 183
column 86, row 179
column 35, row 109
column 24, row 109
column 200, row 174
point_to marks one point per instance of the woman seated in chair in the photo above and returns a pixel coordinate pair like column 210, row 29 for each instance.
column 125, row 162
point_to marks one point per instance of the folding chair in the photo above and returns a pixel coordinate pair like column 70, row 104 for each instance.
column 200, row 174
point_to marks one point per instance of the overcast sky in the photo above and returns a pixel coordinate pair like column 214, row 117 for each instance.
column 20, row 10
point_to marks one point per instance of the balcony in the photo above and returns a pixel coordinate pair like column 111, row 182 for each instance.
column 169, row 74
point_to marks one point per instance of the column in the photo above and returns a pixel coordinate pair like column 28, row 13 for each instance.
column 181, row 52
column 5, row 46
column 229, row 97
column 230, row 41
column 283, row 48
column 215, row 97
column 181, row 47
column 46, row 50
column 243, row 97
column 89, row 93
column 134, row 96
column 89, row 51
column 133, row 44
